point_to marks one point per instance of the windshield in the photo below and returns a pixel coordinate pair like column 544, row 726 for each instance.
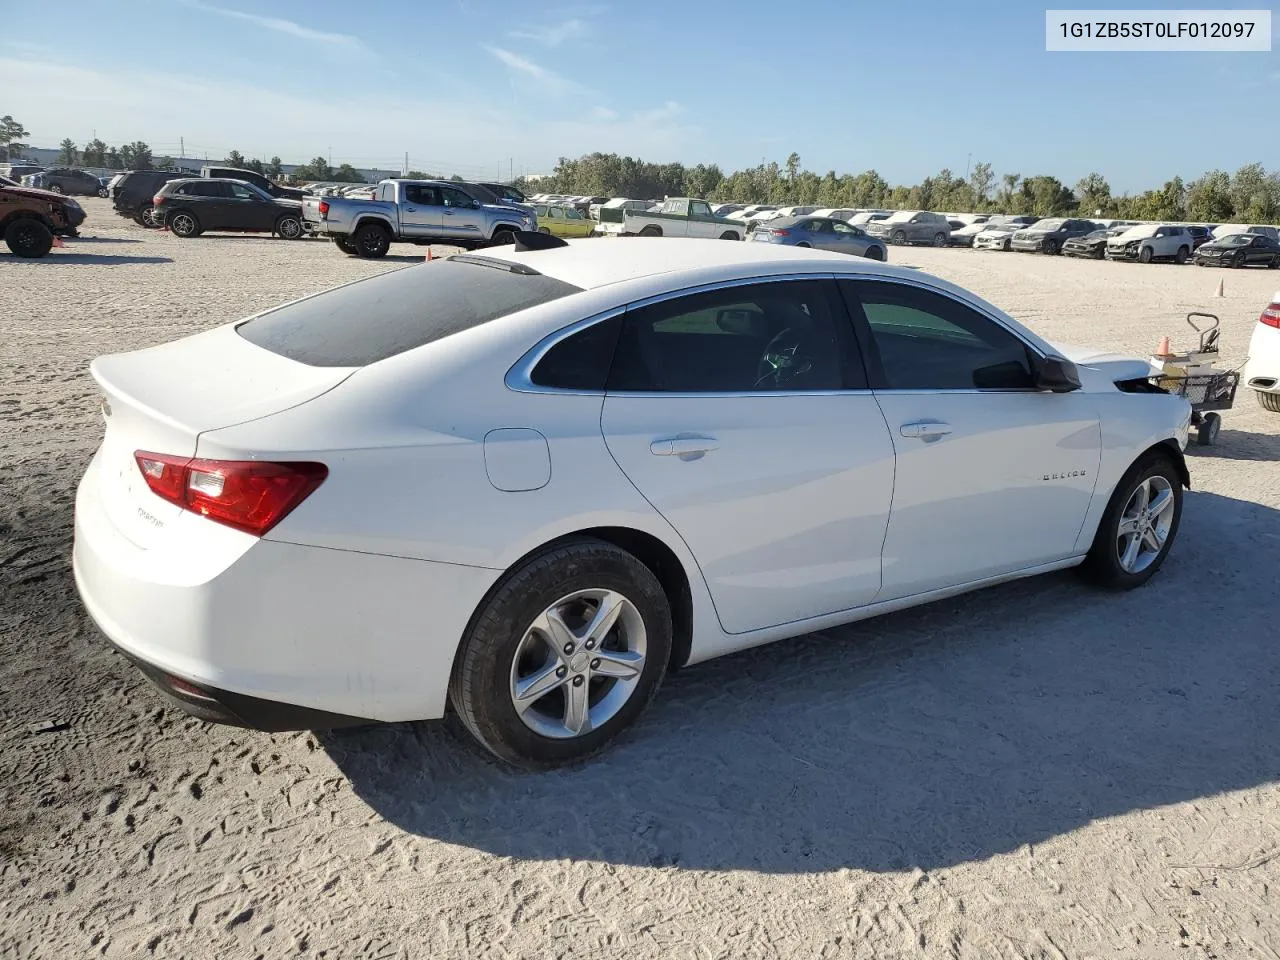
column 902, row 216
column 368, row 321
column 1137, row 233
column 1236, row 240
column 1050, row 224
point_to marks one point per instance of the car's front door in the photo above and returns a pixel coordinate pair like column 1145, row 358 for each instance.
column 848, row 239
column 742, row 415
column 463, row 217
column 250, row 209
column 819, row 234
column 993, row 475
column 421, row 211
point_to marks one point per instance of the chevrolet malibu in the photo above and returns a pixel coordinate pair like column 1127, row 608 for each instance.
column 528, row 483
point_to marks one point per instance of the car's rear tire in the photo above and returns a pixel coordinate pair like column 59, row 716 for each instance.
column 289, row 227
column 730, row 235
column 371, row 241
column 939, row 239
column 1051, row 247
column 28, row 238
column 1181, row 256
column 344, row 244
column 875, row 253
column 651, row 231
column 1145, row 255
column 184, row 224
column 1114, row 561
column 1274, row 264
column 529, row 666
column 1268, row 401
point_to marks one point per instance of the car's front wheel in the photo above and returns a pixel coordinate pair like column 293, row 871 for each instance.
column 1145, row 255
column 289, row 227
column 875, row 253
column 563, row 655
column 939, row 239
column 1138, row 526
column 28, row 238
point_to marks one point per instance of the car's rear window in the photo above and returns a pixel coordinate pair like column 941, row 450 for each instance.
column 371, row 320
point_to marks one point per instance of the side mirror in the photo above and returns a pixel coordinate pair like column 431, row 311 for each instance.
column 1057, row 375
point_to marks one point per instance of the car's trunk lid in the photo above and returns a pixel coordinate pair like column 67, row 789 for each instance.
column 161, row 399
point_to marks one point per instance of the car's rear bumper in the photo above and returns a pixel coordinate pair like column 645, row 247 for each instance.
column 275, row 633
column 1262, row 371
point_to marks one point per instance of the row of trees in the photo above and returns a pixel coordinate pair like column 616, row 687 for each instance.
column 1250, row 194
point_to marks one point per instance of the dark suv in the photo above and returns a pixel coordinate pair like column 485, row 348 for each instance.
column 1048, row 235
column 70, row 182
column 504, row 191
column 189, row 207
column 257, row 179
column 131, row 194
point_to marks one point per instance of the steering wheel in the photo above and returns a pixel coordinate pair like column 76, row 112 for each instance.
column 782, row 362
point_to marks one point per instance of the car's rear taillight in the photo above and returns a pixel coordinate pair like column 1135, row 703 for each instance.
column 249, row 495
column 777, row 232
column 157, row 200
column 324, row 208
column 1271, row 316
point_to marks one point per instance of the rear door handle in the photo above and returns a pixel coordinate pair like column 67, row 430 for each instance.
column 925, row 429
column 687, row 448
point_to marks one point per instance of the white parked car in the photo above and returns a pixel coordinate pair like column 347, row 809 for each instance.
column 1262, row 372
column 666, row 452
column 996, row 235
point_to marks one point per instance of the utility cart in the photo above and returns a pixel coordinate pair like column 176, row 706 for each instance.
column 1194, row 375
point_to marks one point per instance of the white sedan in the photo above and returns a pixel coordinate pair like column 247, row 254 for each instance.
column 1262, row 372
column 528, row 482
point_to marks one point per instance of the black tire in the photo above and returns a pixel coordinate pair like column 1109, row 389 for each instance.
column 104, row 193
column 1239, row 261
column 1207, row 432
column 55, row 188
column 147, row 217
column 806, row 244
column 1101, row 254
column 1274, row 264
column 1051, row 248
column 371, row 241
column 1145, row 255
column 502, row 236
column 289, row 227
column 899, row 236
column 344, row 244
column 1102, row 565
column 1268, row 401
column 28, row 238
column 1181, row 256
column 730, row 235
column 479, row 688
column 651, row 231
column 875, row 253
column 545, row 230
column 184, row 224
column 940, row 240
column 1008, row 245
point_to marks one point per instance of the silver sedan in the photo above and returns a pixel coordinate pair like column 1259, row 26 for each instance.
column 821, row 233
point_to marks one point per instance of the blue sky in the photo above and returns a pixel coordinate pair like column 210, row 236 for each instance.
column 470, row 86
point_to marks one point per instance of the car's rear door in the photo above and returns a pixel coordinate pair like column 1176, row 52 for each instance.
column 992, row 475
column 249, row 210
column 742, row 415
column 421, row 211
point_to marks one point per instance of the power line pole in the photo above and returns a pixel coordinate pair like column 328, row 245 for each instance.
column 182, row 147
column 967, row 162
column 405, row 169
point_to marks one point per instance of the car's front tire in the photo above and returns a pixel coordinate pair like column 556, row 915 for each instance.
column 1268, row 401
column 1139, row 525
column 1145, row 255
column 28, row 238
column 563, row 655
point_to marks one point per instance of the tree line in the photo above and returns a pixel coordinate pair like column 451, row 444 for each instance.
column 1251, row 194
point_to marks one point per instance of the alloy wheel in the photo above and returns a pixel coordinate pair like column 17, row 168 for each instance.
column 578, row 663
column 1144, row 524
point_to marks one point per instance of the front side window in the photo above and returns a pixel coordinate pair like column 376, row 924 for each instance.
column 927, row 341
column 778, row 336
column 699, row 210
column 455, row 198
column 244, row 192
column 839, row 227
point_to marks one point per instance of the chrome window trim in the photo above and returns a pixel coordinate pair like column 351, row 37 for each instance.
column 519, row 377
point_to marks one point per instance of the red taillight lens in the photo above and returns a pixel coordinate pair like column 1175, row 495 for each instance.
column 324, row 208
column 249, row 495
column 1271, row 316
column 778, row 232
column 157, row 200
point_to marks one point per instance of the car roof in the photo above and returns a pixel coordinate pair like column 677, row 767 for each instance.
column 590, row 264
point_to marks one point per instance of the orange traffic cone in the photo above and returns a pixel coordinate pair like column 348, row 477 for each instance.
column 429, row 257
column 1220, row 291
column 1164, row 350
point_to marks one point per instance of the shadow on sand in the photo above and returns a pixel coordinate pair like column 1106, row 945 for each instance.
column 949, row 733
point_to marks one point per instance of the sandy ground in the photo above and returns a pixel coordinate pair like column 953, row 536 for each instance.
column 1038, row 770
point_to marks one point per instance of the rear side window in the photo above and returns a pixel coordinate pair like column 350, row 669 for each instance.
column 581, row 360
column 368, row 321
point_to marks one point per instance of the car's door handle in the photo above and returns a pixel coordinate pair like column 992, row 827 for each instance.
column 689, row 448
column 411, row 209
column 448, row 213
column 925, row 429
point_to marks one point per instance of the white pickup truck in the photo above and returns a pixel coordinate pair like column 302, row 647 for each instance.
column 680, row 217
column 413, row 211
